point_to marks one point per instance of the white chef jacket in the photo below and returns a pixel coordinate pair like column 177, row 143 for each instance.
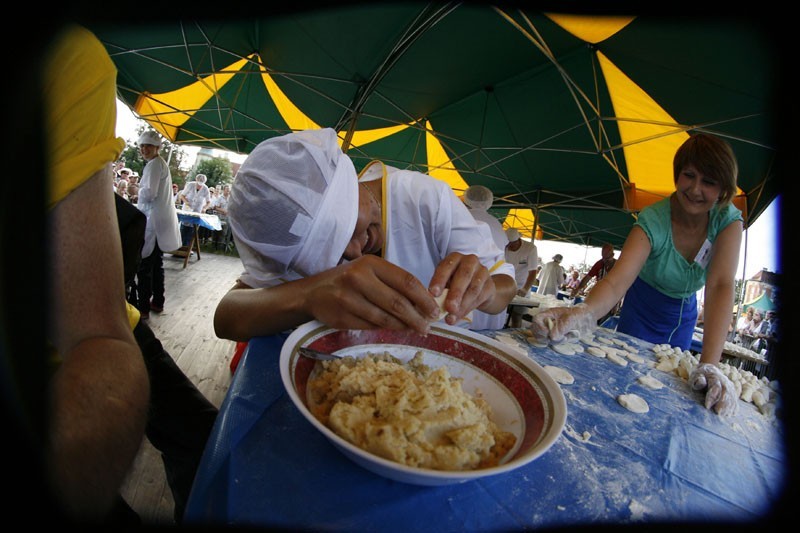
column 551, row 278
column 155, row 201
column 482, row 320
column 525, row 259
column 196, row 199
column 424, row 222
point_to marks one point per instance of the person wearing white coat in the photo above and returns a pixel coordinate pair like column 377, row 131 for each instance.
column 394, row 249
column 552, row 276
column 162, row 233
column 479, row 199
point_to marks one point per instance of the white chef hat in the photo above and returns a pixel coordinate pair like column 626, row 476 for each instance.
column 150, row 137
column 478, row 197
column 293, row 206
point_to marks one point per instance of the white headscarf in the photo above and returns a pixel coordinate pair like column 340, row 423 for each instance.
column 293, row 207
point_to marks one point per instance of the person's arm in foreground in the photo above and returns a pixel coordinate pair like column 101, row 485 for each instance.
column 720, row 394
column 366, row 293
column 100, row 393
column 605, row 294
column 471, row 286
column 719, row 292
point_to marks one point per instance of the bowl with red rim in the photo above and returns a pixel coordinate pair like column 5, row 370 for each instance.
column 524, row 399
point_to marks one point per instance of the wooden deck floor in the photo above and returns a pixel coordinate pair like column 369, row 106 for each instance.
column 186, row 330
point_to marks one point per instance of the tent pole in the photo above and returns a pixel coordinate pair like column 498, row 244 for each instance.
column 732, row 334
column 535, row 216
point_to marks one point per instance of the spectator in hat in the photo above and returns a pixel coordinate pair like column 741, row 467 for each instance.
column 365, row 251
column 478, row 200
column 155, row 201
column 552, row 276
column 125, row 173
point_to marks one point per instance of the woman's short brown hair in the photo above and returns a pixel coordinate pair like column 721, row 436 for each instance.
column 713, row 157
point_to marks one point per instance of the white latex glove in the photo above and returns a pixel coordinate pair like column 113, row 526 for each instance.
column 720, row 394
column 559, row 323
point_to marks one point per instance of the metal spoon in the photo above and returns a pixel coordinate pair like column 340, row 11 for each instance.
column 315, row 354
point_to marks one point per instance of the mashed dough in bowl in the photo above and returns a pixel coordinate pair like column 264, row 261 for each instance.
column 408, row 413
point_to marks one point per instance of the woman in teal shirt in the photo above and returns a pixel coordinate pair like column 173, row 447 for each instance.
column 677, row 246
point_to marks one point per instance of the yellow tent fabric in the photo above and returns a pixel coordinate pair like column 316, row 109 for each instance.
column 649, row 135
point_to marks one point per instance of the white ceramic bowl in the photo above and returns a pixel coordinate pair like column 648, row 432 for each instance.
column 524, row 399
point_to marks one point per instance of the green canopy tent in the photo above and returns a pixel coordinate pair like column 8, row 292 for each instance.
column 762, row 302
column 573, row 118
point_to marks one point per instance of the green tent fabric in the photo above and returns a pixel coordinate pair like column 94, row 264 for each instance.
column 549, row 114
column 762, row 302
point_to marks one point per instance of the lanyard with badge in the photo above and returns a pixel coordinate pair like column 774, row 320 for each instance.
column 704, row 254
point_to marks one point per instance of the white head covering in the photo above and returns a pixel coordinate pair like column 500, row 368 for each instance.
column 512, row 234
column 150, row 137
column 200, row 178
column 478, row 197
column 293, row 206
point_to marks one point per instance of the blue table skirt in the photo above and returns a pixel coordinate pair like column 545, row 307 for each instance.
column 265, row 465
column 201, row 219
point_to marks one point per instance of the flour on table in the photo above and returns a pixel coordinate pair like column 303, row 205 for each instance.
column 560, row 375
column 633, row 403
column 512, row 342
column 650, row 382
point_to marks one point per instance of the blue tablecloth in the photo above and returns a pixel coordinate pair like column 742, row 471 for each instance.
column 265, row 465
column 202, row 219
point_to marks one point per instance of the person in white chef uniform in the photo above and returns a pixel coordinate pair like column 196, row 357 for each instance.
column 478, row 200
column 317, row 241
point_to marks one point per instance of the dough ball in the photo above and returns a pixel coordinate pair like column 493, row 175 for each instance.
column 633, row 403
column 563, row 348
column 560, row 375
column 595, row 351
column 650, row 382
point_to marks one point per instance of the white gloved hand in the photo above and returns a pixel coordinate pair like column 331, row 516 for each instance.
column 557, row 323
column 720, row 393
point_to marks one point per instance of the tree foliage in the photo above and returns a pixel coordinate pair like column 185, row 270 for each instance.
column 217, row 170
